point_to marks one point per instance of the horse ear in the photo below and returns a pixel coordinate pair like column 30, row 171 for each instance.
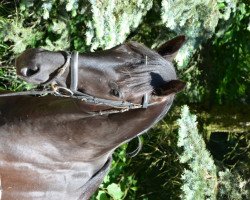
column 173, row 86
column 169, row 49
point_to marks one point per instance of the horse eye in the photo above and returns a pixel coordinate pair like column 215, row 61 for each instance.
column 115, row 92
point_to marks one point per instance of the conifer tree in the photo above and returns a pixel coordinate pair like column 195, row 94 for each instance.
column 201, row 179
column 197, row 19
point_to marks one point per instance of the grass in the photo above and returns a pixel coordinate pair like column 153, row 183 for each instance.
column 10, row 81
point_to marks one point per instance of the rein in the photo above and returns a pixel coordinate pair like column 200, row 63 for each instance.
column 72, row 92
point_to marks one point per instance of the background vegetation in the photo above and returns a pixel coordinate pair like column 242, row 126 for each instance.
column 204, row 155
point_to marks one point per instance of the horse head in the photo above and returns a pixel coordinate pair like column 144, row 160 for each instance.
column 126, row 72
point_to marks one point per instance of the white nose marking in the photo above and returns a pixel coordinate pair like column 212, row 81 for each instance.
column 23, row 71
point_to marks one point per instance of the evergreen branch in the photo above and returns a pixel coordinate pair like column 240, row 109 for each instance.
column 200, row 181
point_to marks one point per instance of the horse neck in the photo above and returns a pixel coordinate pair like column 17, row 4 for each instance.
column 73, row 128
column 103, row 134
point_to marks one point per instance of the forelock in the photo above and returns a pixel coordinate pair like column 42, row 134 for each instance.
column 138, row 75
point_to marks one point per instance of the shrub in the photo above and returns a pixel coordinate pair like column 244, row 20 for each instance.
column 197, row 19
column 202, row 179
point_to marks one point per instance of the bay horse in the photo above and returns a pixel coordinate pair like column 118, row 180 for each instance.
column 57, row 143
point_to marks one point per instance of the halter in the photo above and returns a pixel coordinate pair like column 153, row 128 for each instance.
column 72, row 92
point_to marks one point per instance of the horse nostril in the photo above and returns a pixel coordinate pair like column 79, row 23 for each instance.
column 28, row 71
column 31, row 72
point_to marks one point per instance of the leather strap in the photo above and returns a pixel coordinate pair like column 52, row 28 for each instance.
column 74, row 71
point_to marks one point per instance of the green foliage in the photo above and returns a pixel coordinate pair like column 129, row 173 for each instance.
column 232, row 62
column 3, row 45
column 9, row 80
column 157, row 168
column 113, row 20
column 195, row 89
column 98, row 24
column 49, row 17
column 20, row 37
column 197, row 19
column 114, row 191
column 219, row 72
column 231, row 151
column 232, row 186
column 200, row 181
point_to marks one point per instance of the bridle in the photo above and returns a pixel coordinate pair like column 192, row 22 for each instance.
column 72, row 92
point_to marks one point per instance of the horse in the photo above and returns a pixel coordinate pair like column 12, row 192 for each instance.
column 57, row 142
